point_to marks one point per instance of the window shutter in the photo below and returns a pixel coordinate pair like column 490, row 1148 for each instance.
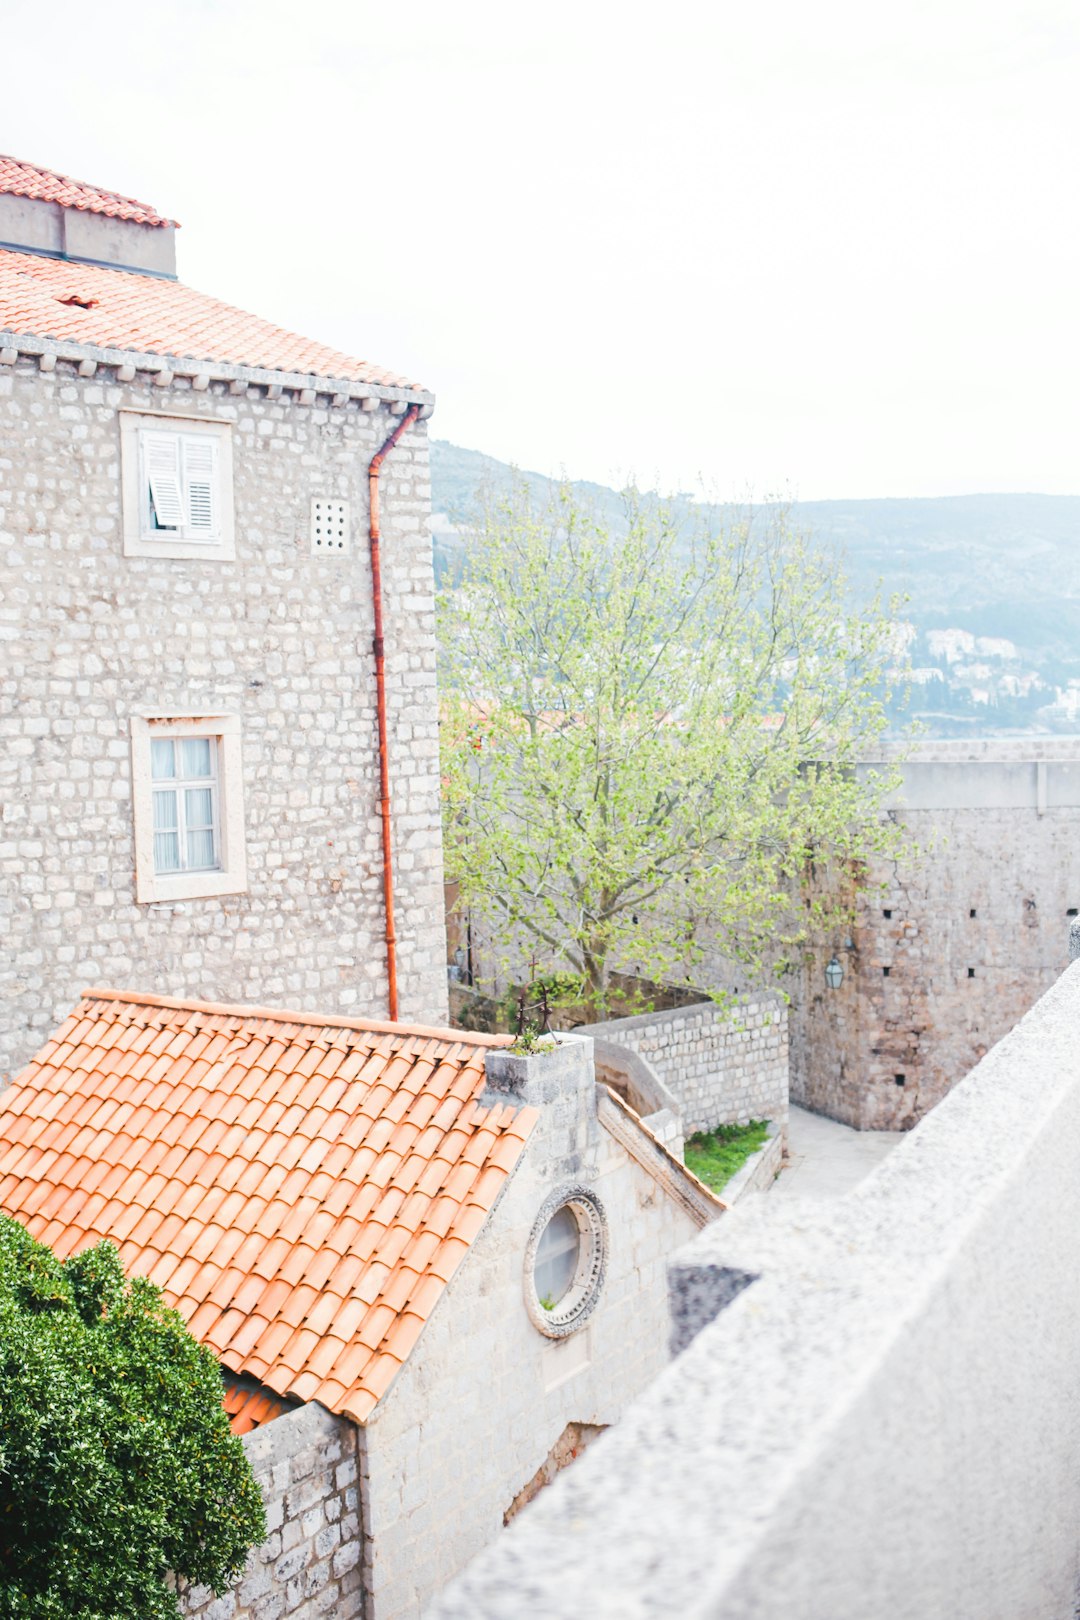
column 200, row 480
column 161, row 458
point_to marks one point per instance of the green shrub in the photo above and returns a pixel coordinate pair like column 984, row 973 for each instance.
column 117, row 1464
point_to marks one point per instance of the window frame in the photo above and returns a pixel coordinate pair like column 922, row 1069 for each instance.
column 576, row 1304
column 230, row 876
column 178, row 786
column 142, row 540
column 550, row 1253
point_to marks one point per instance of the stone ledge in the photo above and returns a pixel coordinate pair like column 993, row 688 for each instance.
column 760, row 1170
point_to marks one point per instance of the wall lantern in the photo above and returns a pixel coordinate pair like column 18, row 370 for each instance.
column 834, row 973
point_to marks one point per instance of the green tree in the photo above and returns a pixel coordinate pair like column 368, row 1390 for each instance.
column 650, row 739
column 116, row 1460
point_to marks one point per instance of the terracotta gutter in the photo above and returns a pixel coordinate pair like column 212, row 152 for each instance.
column 379, row 648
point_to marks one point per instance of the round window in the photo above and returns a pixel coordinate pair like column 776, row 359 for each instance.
column 557, row 1256
column 564, row 1261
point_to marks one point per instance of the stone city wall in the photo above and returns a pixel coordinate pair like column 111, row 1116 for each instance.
column 310, row 1563
column 279, row 637
column 723, row 1065
column 879, row 1416
column 950, row 948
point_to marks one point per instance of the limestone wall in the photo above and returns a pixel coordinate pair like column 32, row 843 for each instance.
column 485, row 1398
column 306, row 1465
column 280, row 637
column 883, row 1420
column 956, row 945
column 722, row 1065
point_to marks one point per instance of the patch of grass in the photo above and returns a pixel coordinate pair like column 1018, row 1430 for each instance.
column 714, row 1156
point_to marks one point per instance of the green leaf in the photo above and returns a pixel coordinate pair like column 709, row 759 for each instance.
column 117, row 1464
column 650, row 741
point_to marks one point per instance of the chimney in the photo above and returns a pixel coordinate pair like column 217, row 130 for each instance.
column 32, row 225
column 561, row 1083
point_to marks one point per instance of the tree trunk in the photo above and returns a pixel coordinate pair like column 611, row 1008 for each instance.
column 596, row 985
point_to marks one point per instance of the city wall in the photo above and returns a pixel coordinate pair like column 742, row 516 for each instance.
column 879, row 1415
column 951, row 947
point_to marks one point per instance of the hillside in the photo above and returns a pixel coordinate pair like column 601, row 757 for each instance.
column 995, row 566
column 1009, row 565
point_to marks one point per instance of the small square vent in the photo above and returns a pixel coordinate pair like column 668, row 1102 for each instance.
column 329, row 526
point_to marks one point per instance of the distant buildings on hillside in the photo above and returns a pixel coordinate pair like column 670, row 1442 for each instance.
column 959, row 680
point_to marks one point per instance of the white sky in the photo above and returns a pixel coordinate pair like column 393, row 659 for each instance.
column 822, row 249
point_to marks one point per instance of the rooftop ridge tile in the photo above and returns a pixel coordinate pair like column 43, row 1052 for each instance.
column 458, row 1037
column 18, row 178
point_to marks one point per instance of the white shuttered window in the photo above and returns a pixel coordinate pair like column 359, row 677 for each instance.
column 177, row 474
column 180, row 485
column 198, row 453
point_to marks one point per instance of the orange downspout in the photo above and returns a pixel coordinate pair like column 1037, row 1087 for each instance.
column 380, row 703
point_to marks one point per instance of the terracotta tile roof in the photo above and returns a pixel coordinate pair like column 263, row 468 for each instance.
column 302, row 1188
column 21, row 179
column 250, row 1405
column 122, row 309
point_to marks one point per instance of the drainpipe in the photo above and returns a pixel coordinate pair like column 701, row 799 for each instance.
column 380, row 703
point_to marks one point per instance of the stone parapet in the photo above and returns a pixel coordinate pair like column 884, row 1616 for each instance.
column 721, row 1064
column 876, row 1414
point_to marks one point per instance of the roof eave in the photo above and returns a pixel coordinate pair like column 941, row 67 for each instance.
column 167, row 366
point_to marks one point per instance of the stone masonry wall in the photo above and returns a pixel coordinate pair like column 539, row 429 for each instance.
column 280, row 637
column 485, row 1396
column 879, row 1417
column 309, row 1564
column 723, row 1066
column 955, row 947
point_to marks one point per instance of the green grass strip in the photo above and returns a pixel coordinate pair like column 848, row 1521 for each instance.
column 714, row 1156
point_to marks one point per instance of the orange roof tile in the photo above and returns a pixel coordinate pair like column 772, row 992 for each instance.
column 122, row 309
column 21, row 179
column 315, row 1284
column 249, row 1405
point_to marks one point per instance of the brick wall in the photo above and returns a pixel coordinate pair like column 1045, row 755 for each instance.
column 309, row 1564
column 280, row 637
column 723, row 1065
column 956, row 945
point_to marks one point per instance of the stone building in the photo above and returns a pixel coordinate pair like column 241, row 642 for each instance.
column 190, row 755
column 431, row 1270
column 952, row 946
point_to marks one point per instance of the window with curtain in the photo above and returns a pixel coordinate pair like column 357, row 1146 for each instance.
column 557, row 1256
column 185, row 780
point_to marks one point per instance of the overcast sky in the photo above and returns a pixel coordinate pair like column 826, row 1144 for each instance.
column 764, row 247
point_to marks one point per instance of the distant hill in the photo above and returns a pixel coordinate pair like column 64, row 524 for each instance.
column 995, row 565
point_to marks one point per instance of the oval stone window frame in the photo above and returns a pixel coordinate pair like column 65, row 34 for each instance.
column 578, row 1303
